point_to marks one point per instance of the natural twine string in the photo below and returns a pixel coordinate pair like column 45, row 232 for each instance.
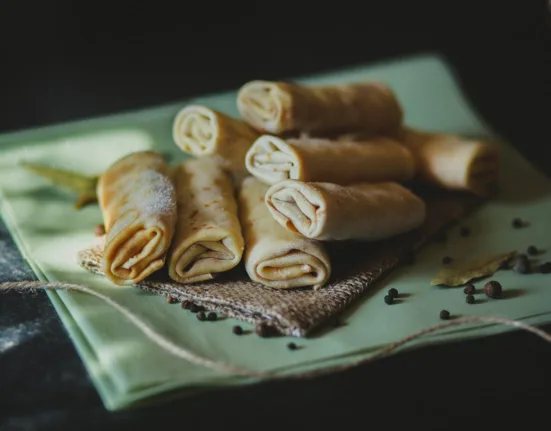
column 183, row 353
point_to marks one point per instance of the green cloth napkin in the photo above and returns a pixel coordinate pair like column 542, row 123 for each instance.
column 128, row 369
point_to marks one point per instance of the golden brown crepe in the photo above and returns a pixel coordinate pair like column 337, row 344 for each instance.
column 275, row 256
column 365, row 211
column 452, row 162
column 278, row 107
column 272, row 159
column 208, row 237
column 138, row 203
column 201, row 131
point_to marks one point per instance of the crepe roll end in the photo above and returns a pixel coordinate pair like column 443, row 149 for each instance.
column 195, row 130
column 263, row 105
column 199, row 261
column 290, row 269
column 131, row 259
column 271, row 160
column 298, row 207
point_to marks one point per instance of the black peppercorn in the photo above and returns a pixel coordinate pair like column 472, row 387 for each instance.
column 393, row 292
column 470, row 299
column 389, row 299
column 171, row 300
column 186, row 305
column 194, row 308
column 464, row 232
column 493, row 289
column 237, row 330
column 212, row 316
column 532, row 250
column 444, row 315
column 469, row 289
column 517, row 223
column 447, row 260
column 263, row 330
column 292, row 346
column 201, row 316
column 521, row 264
column 545, row 268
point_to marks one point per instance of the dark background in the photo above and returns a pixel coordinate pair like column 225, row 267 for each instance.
column 61, row 60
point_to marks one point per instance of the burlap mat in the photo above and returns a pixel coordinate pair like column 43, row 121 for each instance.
column 297, row 312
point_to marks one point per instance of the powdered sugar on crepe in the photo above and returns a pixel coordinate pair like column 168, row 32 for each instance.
column 149, row 193
column 158, row 193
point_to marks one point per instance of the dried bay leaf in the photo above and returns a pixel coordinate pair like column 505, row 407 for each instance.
column 463, row 272
column 84, row 185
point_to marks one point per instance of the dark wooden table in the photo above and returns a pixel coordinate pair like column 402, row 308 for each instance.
column 71, row 67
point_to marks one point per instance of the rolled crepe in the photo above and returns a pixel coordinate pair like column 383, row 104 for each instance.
column 202, row 131
column 272, row 159
column 208, row 237
column 277, row 107
column 325, row 211
column 138, row 203
column 275, row 256
column 452, row 162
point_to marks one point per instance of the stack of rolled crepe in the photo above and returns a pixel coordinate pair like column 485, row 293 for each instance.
column 323, row 164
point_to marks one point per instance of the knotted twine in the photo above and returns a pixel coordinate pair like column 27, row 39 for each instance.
column 181, row 352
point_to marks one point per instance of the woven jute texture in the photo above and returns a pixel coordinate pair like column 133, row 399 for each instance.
column 356, row 267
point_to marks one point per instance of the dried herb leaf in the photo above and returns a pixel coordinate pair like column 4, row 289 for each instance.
column 461, row 273
column 84, row 199
column 83, row 185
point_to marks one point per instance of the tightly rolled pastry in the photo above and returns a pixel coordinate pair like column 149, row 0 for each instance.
column 277, row 107
column 324, row 211
column 138, row 203
column 272, row 159
column 202, row 131
column 275, row 256
column 208, row 237
column 452, row 162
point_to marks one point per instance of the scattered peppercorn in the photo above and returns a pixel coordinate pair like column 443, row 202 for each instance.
column 99, row 230
column 393, row 292
column 201, row 316
column 237, row 330
column 389, row 299
column 505, row 264
column 186, row 305
column 532, row 250
column 470, row 299
column 171, row 300
column 517, row 223
column 464, row 231
column 493, row 289
column 545, row 268
column 212, row 316
column 522, row 264
column 262, row 330
column 447, row 260
column 444, row 315
column 292, row 346
column 194, row 308
column 469, row 289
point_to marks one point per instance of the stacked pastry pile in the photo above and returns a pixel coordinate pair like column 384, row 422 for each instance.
column 319, row 164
